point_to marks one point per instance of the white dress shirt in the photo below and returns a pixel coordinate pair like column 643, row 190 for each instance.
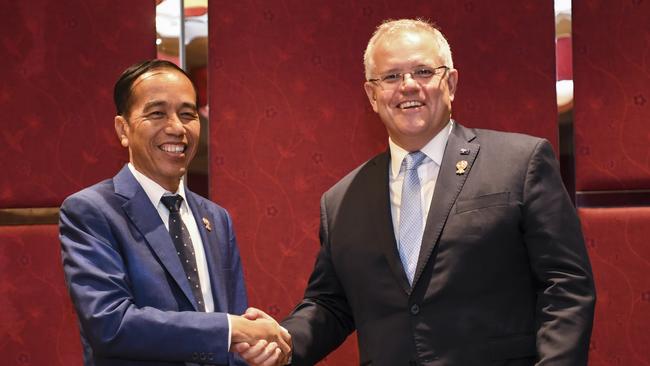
column 427, row 172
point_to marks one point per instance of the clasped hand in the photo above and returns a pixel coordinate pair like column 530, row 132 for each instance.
column 259, row 339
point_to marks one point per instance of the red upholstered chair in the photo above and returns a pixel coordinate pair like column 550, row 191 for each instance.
column 617, row 240
column 37, row 321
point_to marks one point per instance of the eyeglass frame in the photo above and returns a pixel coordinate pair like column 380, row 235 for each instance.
column 401, row 76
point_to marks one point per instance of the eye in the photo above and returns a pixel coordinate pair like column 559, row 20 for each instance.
column 391, row 78
column 156, row 115
column 423, row 73
column 189, row 115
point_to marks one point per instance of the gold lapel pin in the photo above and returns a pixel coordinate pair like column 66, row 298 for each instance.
column 461, row 166
column 206, row 223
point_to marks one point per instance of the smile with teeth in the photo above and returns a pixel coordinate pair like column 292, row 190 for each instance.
column 173, row 148
column 410, row 104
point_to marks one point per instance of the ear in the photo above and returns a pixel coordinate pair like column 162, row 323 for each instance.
column 122, row 130
column 452, row 83
column 371, row 92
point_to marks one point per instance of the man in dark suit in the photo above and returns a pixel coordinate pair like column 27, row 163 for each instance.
column 457, row 246
column 152, row 268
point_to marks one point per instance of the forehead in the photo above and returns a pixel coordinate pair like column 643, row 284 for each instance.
column 165, row 83
column 406, row 47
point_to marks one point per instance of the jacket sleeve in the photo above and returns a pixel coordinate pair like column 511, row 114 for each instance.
column 560, row 265
column 98, row 280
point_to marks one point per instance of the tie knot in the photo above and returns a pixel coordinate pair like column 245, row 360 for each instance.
column 414, row 159
column 173, row 203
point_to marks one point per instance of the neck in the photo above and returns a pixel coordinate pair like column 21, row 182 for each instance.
column 170, row 186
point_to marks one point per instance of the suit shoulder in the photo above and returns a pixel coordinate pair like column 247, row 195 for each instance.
column 501, row 136
column 209, row 205
column 380, row 160
column 99, row 192
column 513, row 141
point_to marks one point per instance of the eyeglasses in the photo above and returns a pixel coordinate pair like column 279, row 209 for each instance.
column 422, row 75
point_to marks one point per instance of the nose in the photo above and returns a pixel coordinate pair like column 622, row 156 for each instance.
column 175, row 126
column 409, row 82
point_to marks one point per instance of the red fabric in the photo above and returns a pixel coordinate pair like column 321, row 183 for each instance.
column 199, row 77
column 37, row 321
column 289, row 116
column 59, row 64
column 620, row 256
column 563, row 58
column 611, row 94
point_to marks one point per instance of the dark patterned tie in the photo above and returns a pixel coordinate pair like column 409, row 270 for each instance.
column 183, row 243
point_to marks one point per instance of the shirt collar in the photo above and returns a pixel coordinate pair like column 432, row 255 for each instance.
column 434, row 149
column 154, row 190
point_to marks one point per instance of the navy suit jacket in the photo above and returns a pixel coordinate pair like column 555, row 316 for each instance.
column 133, row 301
column 503, row 276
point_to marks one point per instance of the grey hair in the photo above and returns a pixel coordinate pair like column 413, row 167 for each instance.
column 390, row 26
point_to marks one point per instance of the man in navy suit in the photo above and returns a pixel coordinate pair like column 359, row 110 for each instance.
column 141, row 296
column 456, row 246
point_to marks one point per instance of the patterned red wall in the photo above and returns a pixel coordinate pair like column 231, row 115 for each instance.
column 289, row 117
column 612, row 94
column 59, row 63
column 37, row 321
column 620, row 257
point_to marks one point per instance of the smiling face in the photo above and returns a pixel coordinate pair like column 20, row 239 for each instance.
column 413, row 113
column 161, row 128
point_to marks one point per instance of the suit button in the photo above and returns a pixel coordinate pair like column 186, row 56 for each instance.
column 415, row 309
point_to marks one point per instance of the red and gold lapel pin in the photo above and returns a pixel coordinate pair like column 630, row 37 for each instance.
column 206, row 223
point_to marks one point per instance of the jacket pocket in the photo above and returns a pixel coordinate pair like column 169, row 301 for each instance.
column 488, row 200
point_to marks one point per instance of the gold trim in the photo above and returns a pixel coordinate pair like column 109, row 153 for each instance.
column 29, row 216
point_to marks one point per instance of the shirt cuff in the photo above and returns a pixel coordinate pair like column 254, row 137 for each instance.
column 229, row 333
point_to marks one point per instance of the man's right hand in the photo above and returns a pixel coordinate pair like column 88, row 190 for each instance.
column 259, row 339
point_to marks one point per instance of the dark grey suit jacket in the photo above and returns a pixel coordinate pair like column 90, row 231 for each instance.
column 503, row 277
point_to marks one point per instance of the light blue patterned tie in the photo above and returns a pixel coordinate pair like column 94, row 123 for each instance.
column 410, row 221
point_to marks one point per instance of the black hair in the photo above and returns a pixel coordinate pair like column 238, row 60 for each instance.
column 123, row 87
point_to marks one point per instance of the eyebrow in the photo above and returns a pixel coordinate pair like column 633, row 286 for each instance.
column 400, row 69
column 192, row 106
column 153, row 104
column 158, row 103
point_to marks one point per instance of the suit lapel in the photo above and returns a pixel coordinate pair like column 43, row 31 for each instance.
column 146, row 219
column 211, row 242
column 448, row 186
column 379, row 205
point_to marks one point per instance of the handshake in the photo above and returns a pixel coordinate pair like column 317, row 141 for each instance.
column 259, row 339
